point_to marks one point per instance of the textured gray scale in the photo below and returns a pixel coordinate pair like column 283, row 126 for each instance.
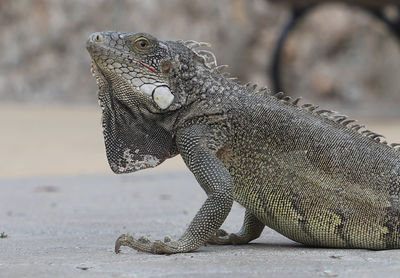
column 311, row 174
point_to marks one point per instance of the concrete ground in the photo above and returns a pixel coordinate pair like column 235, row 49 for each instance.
column 61, row 211
column 66, row 227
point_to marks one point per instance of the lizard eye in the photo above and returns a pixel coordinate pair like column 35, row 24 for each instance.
column 142, row 44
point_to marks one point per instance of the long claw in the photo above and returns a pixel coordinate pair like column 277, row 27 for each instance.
column 221, row 233
column 117, row 246
column 144, row 244
column 160, row 247
column 122, row 240
column 221, row 237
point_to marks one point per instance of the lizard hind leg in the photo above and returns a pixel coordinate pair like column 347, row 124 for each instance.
column 251, row 229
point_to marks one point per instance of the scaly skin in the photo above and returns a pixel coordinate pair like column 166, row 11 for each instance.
column 312, row 175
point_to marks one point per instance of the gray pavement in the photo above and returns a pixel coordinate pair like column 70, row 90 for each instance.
column 66, row 227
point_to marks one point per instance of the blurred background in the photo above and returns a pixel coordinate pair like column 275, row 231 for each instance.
column 338, row 55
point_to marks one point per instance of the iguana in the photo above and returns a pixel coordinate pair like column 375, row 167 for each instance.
column 311, row 174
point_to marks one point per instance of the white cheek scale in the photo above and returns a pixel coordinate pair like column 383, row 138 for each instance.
column 163, row 97
column 147, row 89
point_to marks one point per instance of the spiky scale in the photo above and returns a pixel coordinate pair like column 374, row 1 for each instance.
column 194, row 44
column 357, row 127
column 279, row 95
column 296, row 101
column 376, row 136
column 345, row 123
column 312, row 108
column 366, row 132
column 208, row 55
column 323, row 111
column 220, row 68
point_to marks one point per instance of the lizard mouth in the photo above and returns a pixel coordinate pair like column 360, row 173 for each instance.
column 101, row 79
column 96, row 73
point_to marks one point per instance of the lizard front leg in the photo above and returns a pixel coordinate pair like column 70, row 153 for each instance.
column 214, row 178
column 251, row 229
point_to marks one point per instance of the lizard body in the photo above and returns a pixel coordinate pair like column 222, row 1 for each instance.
column 313, row 175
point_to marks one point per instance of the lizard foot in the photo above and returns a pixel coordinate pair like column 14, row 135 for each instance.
column 221, row 237
column 144, row 244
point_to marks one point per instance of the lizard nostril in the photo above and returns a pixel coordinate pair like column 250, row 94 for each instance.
column 97, row 37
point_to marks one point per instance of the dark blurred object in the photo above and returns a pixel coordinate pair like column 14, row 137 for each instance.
column 300, row 8
column 371, row 3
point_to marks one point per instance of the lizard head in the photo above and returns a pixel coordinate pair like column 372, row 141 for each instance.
column 132, row 71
